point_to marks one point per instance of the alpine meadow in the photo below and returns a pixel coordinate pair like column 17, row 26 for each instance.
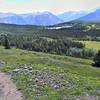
column 48, row 53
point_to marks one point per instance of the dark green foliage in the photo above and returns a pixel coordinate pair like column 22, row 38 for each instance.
column 97, row 59
column 58, row 46
column 44, row 39
column 6, row 43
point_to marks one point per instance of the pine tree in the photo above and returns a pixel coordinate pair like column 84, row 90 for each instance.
column 6, row 43
column 97, row 59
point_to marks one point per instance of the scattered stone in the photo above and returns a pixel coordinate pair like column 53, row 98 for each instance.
column 2, row 63
column 16, row 70
column 89, row 97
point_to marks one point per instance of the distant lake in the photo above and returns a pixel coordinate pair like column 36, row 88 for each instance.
column 58, row 27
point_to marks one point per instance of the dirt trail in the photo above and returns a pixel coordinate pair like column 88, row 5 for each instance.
column 8, row 89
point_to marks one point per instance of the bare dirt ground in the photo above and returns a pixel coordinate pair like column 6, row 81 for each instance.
column 8, row 89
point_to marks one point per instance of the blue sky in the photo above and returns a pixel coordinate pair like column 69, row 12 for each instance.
column 55, row 6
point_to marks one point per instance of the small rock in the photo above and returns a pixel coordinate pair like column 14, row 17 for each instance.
column 16, row 70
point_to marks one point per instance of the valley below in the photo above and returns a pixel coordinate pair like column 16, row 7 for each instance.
column 50, row 62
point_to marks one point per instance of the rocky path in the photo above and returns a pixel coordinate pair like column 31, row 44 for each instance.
column 8, row 89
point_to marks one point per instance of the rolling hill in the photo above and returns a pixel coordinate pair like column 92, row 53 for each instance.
column 41, row 76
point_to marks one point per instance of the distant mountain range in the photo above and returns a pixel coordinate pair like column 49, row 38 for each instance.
column 10, row 18
column 47, row 18
column 94, row 16
column 72, row 15
column 44, row 18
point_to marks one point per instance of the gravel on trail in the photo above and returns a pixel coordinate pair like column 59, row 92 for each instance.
column 8, row 90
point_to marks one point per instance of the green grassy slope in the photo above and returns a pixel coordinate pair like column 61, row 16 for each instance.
column 43, row 76
column 92, row 44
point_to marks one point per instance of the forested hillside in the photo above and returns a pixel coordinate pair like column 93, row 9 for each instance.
column 53, row 75
column 58, row 39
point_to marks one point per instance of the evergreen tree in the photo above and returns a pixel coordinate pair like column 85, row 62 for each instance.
column 97, row 59
column 6, row 42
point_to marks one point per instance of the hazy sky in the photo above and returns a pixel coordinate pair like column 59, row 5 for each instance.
column 56, row 6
